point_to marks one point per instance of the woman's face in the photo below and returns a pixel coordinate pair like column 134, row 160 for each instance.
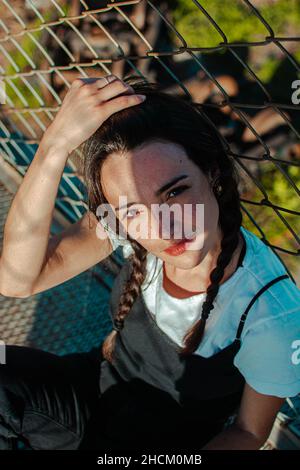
column 187, row 206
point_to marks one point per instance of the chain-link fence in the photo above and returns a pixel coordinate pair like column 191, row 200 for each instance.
column 238, row 59
column 247, row 86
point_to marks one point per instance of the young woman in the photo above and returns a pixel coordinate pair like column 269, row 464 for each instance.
column 205, row 341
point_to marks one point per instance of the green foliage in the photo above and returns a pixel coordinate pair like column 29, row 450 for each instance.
column 29, row 47
column 239, row 23
column 235, row 18
column 279, row 193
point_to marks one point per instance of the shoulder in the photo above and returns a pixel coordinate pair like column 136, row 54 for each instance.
column 261, row 266
column 269, row 355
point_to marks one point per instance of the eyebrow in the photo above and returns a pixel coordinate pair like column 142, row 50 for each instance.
column 159, row 191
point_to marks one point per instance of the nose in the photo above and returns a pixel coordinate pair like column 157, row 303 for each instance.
column 168, row 227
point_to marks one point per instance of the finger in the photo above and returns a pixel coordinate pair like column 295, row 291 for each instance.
column 77, row 83
column 114, row 89
column 101, row 83
column 121, row 102
column 104, row 81
column 93, row 82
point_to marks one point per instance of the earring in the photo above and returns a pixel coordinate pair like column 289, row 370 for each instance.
column 105, row 226
column 217, row 187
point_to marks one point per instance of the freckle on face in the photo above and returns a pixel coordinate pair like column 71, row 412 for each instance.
column 135, row 173
column 138, row 173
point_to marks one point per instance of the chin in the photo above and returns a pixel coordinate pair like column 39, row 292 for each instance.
column 187, row 260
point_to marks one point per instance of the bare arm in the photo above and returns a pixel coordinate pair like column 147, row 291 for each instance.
column 30, row 262
column 72, row 252
column 253, row 424
column 28, row 222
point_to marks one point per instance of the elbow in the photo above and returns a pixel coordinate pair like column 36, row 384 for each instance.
column 14, row 293
column 8, row 290
column 257, row 439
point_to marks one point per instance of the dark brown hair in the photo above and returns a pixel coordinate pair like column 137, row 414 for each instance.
column 166, row 117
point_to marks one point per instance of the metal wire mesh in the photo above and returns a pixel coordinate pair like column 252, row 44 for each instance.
column 239, row 60
column 46, row 44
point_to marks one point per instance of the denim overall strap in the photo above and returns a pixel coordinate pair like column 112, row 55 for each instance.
column 261, row 291
column 157, row 391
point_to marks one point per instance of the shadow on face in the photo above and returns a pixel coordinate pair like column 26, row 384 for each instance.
column 160, row 196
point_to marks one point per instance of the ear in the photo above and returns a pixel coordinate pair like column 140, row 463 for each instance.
column 213, row 174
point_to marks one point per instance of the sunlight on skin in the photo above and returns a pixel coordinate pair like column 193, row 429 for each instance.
column 158, row 162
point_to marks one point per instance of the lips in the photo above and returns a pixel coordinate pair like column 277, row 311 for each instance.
column 179, row 247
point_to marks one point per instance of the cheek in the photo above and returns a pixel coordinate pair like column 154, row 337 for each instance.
column 194, row 207
column 204, row 215
column 139, row 228
column 145, row 230
column 211, row 214
column 152, row 245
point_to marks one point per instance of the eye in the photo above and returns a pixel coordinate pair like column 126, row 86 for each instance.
column 128, row 213
column 179, row 190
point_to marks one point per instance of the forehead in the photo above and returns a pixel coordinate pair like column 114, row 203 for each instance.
column 138, row 173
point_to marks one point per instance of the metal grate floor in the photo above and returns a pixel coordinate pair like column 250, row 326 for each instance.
column 71, row 317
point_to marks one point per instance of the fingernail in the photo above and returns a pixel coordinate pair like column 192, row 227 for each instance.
column 111, row 78
column 142, row 97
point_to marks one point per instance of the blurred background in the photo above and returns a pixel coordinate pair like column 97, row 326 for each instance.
column 238, row 59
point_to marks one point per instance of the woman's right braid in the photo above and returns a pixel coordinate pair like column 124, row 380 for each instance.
column 130, row 292
column 230, row 219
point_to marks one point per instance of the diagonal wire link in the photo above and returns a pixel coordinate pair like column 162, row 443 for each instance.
column 44, row 48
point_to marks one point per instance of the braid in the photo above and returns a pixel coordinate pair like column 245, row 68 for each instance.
column 230, row 221
column 130, row 292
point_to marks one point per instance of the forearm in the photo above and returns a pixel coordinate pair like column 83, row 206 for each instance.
column 234, row 438
column 27, row 226
column 26, row 233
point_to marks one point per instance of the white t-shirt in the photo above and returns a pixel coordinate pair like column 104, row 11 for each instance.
column 269, row 356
